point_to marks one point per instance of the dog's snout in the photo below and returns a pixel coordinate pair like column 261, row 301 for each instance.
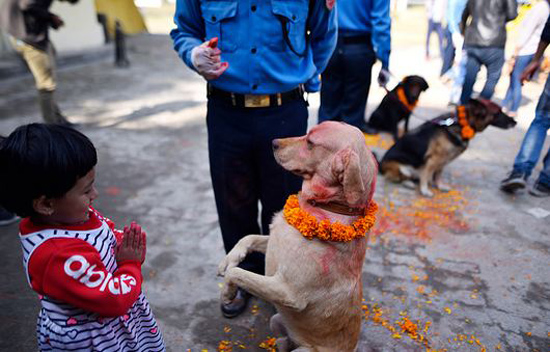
column 275, row 144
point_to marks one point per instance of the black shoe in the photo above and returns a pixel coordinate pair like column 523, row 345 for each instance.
column 540, row 190
column 514, row 181
column 369, row 130
column 237, row 305
column 7, row 218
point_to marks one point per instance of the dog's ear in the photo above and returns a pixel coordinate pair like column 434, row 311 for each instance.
column 477, row 108
column 347, row 169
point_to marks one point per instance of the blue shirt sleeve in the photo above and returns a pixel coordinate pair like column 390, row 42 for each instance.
column 324, row 35
column 189, row 31
column 381, row 30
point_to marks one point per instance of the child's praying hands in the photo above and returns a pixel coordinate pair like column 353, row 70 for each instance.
column 133, row 245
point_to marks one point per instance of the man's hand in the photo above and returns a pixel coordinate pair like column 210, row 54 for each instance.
column 133, row 245
column 207, row 61
column 56, row 22
column 529, row 71
column 383, row 77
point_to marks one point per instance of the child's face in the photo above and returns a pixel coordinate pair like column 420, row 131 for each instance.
column 73, row 207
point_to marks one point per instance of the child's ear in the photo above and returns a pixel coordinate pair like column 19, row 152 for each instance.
column 43, row 206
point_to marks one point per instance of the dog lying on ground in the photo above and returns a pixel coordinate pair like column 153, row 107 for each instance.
column 422, row 154
column 397, row 106
column 314, row 284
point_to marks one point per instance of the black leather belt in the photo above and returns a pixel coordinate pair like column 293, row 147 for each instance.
column 255, row 100
column 356, row 39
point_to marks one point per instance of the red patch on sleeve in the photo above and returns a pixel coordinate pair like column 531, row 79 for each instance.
column 330, row 4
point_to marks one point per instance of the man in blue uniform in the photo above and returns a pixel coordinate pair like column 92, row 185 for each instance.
column 258, row 56
column 363, row 29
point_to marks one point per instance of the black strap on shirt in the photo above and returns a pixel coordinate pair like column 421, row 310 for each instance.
column 284, row 26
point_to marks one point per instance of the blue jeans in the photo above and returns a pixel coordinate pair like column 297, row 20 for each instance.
column 448, row 53
column 345, row 83
column 493, row 59
column 513, row 94
column 244, row 171
column 532, row 144
column 438, row 29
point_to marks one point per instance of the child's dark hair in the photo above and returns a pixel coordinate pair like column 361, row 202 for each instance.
column 39, row 159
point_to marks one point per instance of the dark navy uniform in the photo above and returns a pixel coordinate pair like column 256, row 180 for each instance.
column 363, row 35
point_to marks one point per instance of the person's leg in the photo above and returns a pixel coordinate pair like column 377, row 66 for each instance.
column 493, row 59
column 472, row 67
column 458, row 71
column 43, row 68
column 515, row 82
column 542, row 187
column 358, row 60
column 276, row 184
column 441, row 37
column 532, row 144
column 428, row 34
column 448, row 54
column 332, row 88
column 234, row 178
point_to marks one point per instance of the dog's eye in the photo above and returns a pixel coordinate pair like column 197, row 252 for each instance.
column 309, row 144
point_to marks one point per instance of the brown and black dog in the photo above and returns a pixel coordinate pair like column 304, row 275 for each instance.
column 422, row 154
column 397, row 106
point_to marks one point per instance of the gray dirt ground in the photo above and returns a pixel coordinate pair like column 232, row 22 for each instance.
column 472, row 263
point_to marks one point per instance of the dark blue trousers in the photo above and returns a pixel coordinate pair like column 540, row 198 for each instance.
column 346, row 82
column 244, row 171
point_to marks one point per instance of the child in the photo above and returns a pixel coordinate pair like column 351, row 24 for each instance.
column 87, row 274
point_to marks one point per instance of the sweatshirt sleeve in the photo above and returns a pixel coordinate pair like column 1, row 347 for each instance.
column 71, row 270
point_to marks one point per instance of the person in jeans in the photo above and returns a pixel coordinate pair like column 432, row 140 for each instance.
column 364, row 28
column 28, row 22
column 435, row 9
column 531, row 29
column 484, row 41
column 534, row 138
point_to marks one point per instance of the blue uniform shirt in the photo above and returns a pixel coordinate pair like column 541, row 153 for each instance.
column 251, row 41
column 357, row 17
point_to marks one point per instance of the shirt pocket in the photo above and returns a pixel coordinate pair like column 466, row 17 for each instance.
column 219, row 17
column 292, row 14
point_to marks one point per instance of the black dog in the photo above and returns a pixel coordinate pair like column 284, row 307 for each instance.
column 396, row 106
column 422, row 154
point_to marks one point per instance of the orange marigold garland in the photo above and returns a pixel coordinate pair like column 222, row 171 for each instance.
column 324, row 230
column 467, row 131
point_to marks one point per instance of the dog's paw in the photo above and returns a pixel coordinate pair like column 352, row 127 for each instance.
column 231, row 260
column 229, row 292
column 443, row 187
column 426, row 192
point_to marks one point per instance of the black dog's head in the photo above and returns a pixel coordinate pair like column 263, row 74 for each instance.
column 413, row 86
column 484, row 112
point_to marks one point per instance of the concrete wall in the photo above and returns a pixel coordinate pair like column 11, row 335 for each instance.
column 81, row 30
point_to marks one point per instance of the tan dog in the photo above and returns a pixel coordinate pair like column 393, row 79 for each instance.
column 315, row 285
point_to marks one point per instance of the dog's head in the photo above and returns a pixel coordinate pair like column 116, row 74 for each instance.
column 413, row 86
column 484, row 112
column 334, row 161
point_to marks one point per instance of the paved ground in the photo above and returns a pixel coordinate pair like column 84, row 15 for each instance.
column 467, row 269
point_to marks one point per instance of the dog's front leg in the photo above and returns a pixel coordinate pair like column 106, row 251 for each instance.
column 268, row 288
column 438, row 184
column 247, row 244
column 426, row 175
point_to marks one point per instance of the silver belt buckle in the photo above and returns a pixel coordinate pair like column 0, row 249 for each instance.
column 256, row 101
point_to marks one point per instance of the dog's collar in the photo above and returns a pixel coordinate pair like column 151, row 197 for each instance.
column 337, row 208
column 403, row 99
